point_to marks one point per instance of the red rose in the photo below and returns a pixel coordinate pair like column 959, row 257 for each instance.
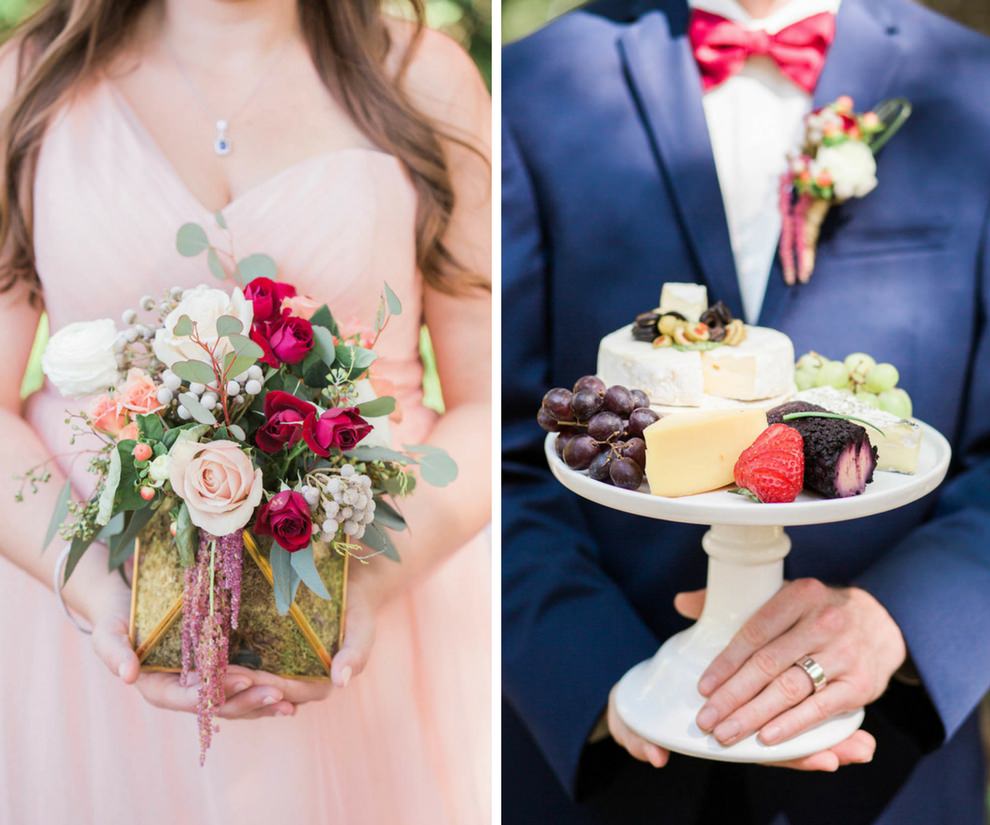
column 259, row 337
column 266, row 295
column 291, row 339
column 339, row 427
column 286, row 519
column 284, row 417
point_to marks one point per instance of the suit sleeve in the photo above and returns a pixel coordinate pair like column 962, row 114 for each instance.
column 568, row 633
column 936, row 582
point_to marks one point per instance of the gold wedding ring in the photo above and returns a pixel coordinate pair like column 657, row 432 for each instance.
column 814, row 671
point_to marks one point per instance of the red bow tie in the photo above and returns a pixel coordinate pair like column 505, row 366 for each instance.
column 721, row 47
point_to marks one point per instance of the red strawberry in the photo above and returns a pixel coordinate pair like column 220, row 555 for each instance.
column 772, row 467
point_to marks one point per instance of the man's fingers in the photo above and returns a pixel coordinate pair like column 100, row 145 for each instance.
column 777, row 616
column 837, row 697
column 113, row 646
column 690, row 604
column 857, row 749
column 637, row 747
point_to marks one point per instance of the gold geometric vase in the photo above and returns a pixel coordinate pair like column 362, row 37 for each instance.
column 299, row 645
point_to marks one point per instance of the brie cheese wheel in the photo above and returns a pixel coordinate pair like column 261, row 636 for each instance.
column 761, row 367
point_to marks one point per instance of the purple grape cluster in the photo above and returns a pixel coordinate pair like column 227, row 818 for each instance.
column 600, row 429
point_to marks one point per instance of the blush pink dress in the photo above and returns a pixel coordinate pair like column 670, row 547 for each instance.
column 408, row 741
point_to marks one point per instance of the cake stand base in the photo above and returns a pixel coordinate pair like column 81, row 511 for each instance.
column 659, row 698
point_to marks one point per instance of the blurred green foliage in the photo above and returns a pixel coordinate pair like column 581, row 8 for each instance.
column 521, row 17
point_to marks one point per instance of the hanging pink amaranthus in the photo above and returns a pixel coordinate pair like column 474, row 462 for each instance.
column 210, row 605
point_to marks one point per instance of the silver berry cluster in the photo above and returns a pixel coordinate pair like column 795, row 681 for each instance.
column 248, row 383
column 342, row 501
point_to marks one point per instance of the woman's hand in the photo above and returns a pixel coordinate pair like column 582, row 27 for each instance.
column 251, row 694
column 754, row 685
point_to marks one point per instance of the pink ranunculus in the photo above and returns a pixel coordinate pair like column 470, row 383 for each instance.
column 129, row 432
column 138, row 393
column 340, row 427
column 291, row 339
column 284, row 417
column 108, row 416
column 286, row 518
column 301, row 305
column 218, row 483
column 266, row 296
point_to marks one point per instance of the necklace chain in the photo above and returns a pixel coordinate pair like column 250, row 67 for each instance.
column 221, row 142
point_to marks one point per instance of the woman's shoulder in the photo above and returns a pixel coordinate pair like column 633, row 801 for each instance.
column 436, row 70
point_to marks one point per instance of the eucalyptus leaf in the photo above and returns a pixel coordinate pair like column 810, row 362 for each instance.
column 191, row 240
column 387, row 516
column 436, row 467
column 305, row 567
column 256, row 266
column 185, row 536
column 113, row 528
column 105, row 505
column 76, row 550
column 187, row 432
column 238, row 432
column 196, row 410
column 324, row 346
column 245, row 346
column 354, row 359
column 220, row 219
column 215, row 265
column 324, row 318
column 58, row 514
column 379, row 454
column 314, row 370
column 377, row 407
column 284, row 578
column 377, row 539
column 194, row 372
column 122, row 545
column 380, row 315
column 229, row 325
column 394, row 304
column 184, row 326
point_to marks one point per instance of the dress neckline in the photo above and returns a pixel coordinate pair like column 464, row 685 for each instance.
column 144, row 137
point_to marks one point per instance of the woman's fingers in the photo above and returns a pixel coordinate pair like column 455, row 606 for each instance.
column 359, row 637
column 113, row 646
column 252, row 700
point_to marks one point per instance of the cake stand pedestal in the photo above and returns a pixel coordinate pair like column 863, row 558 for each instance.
column 746, row 546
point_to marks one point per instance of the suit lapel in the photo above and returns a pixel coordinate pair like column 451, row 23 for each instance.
column 862, row 63
column 665, row 83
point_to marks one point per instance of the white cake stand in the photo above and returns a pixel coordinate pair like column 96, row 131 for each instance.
column 746, row 545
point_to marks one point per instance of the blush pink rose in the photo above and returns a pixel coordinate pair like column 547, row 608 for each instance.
column 218, row 483
column 129, row 432
column 108, row 416
column 138, row 393
column 301, row 305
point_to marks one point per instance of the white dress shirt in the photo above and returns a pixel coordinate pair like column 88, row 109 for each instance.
column 754, row 120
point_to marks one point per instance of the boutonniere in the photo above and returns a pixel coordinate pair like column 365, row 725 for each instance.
column 836, row 162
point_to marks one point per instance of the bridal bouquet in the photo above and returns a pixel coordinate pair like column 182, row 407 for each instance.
column 225, row 419
column 836, row 162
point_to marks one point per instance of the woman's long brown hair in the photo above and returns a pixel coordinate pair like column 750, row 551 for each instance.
column 65, row 41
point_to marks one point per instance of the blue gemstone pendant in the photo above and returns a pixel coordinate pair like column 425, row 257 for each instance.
column 222, row 143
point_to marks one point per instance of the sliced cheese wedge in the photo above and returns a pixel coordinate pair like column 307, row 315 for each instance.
column 694, row 452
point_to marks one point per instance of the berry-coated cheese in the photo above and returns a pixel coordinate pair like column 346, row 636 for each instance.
column 690, row 300
column 695, row 452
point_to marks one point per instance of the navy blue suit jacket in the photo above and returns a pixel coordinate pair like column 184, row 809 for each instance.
column 609, row 190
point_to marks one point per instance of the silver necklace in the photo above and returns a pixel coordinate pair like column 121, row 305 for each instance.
column 222, row 144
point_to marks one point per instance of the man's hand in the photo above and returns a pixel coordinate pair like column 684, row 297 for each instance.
column 754, row 685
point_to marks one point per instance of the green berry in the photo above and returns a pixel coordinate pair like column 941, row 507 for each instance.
column 868, row 399
column 858, row 364
column 833, row 374
column 811, row 360
column 881, row 378
column 805, row 377
column 897, row 402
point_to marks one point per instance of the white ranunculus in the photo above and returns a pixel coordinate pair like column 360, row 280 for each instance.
column 204, row 305
column 381, row 435
column 79, row 359
column 852, row 167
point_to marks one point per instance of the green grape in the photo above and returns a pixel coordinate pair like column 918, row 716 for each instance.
column 882, row 377
column 858, row 364
column 811, row 360
column 896, row 402
column 868, row 399
column 833, row 374
column 805, row 377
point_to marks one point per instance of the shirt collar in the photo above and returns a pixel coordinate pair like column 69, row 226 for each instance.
column 782, row 17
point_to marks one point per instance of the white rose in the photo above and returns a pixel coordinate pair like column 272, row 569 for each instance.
column 158, row 470
column 852, row 167
column 79, row 359
column 381, row 435
column 204, row 306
